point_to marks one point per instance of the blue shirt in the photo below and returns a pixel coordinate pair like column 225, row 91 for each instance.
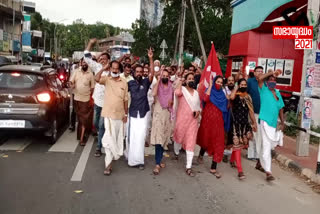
column 139, row 97
column 253, row 90
column 270, row 107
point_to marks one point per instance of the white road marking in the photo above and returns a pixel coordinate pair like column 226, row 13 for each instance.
column 14, row 144
column 66, row 143
column 79, row 170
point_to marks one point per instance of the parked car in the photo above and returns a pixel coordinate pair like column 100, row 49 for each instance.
column 33, row 98
column 4, row 61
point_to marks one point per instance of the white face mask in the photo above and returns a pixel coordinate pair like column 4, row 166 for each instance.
column 173, row 78
column 157, row 68
column 115, row 75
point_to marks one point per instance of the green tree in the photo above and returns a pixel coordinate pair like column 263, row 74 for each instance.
column 214, row 17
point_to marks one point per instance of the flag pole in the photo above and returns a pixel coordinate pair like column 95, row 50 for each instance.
column 198, row 32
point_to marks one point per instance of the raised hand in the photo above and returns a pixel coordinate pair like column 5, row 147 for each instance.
column 93, row 41
column 150, row 53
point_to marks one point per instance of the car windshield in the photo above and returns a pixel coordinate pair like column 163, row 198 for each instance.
column 19, row 80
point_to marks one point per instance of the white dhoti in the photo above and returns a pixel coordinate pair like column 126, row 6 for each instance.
column 270, row 139
column 112, row 140
column 255, row 143
column 136, row 140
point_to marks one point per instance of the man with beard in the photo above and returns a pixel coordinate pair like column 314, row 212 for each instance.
column 138, row 110
column 82, row 82
column 227, row 91
column 98, row 94
column 114, row 112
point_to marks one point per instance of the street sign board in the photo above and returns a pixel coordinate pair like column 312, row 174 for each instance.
column 164, row 44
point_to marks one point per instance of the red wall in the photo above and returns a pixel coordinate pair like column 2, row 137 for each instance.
column 253, row 45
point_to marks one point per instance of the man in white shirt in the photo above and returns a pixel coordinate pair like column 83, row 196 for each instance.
column 99, row 90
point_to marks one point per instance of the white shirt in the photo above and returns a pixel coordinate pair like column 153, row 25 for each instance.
column 98, row 93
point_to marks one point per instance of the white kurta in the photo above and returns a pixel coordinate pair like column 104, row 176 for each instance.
column 112, row 140
column 136, row 140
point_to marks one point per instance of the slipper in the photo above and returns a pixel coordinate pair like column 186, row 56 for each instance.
column 200, row 160
column 241, row 176
column 216, row 173
column 156, row 170
column 107, row 172
column 270, row 177
column 98, row 153
column 190, row 172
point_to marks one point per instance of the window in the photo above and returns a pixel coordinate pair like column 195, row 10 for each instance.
column 19, row 80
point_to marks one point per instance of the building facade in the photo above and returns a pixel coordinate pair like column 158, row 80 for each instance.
column 152, row 12
column 11, row 18
column 117, row 45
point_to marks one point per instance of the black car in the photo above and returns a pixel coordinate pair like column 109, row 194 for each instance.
column 33, row 98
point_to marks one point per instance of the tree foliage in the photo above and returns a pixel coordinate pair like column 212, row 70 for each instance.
column 70, row 38
column 214, row 17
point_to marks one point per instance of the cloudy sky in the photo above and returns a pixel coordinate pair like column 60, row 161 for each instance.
column 121, row 13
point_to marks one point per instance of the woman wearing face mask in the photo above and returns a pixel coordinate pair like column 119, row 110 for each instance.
column 161, row 122
column 213, row 124
column 186, row 128
column 242, row 108
column 271, row 108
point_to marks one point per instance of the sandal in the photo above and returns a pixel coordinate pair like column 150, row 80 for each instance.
column 190, row 172
column 270, row 177
column 107, row 171
column 200, row 160
column 233, row 164
column 98, row 153
column 260, row 168
column 156, row 170
column 175, row 157
column 82, row 143
column 216, row 173
column 241, row 176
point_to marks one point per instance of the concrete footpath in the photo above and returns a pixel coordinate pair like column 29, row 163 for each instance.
column 305, row 166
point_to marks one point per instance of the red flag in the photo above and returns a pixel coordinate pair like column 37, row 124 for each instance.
column 211, row 70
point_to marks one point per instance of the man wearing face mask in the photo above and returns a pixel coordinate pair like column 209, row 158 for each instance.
column 114, row 112
column 138, row 110
column 271, row 108
column 253, row 90
column 82, row 81
column 227, row 91
column 98, row 94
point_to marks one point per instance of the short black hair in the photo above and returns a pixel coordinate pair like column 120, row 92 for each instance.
column 241, row 80
column 127, row 58
column 127, row 66
column 191, row 66
column 138, row 66
column 174, row 67
column 115, row 61
column 251, row 74
column 146, row 64
column 258, row 67
column 186, row 76
column 106, row 54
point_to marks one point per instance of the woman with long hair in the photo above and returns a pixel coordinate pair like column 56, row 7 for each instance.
column 214, row 122
column 242, row 109
column 188, row 112
column 161, row 122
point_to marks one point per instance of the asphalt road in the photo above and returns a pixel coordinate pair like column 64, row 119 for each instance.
column 40, row 178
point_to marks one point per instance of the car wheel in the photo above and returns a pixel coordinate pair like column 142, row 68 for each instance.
column 54, row 132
